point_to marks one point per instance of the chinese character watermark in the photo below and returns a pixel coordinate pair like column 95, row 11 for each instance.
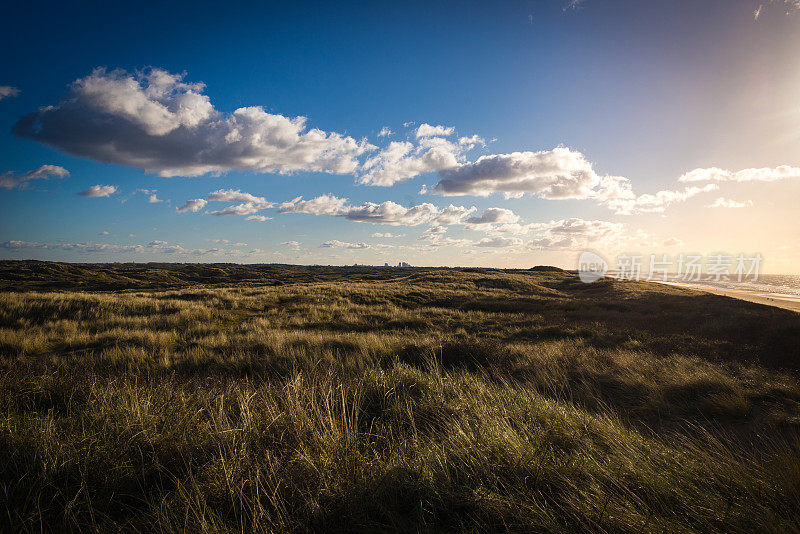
column 716, row 267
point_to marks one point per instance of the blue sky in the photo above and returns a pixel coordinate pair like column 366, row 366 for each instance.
column 583, row 113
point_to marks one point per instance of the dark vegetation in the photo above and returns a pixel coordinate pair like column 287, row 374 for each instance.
column 266, row 397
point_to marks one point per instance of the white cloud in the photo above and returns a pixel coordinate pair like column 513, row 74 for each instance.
column 435, row 230
column 103, row 233
column 499, row 242
column 789, row 6
column 472, row 141
column 573, row 4
column 656, row 202
column 335, row 243
column 291, row 244
column 156, row 121
column 764, row 174
column 247, row 204
column 152, row 198
column 673, row 242
column 723, row 202
column 7, row 91
column 555, row 174
column 426, row 130
column 401, row 160
column 193, row 205
column 321, row 205
column 9, row 180
column 388, row 212
column 387, row 235
column 438, row 240
column 154, row 247
column 259, row 218
column 574, row 233
column 99, row 191
column 235, row 195
column 494, row 216
column 385, row 132
column 391, row 213
column 246, row 208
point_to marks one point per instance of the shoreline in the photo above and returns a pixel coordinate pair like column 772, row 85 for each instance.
column 786, row 302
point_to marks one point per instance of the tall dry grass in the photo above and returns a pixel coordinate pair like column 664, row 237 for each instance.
column 424, row 400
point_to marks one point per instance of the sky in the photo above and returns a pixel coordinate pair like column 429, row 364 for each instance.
column 498, row 134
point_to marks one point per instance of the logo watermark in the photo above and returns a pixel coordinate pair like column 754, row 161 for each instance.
column 689, row 268
column 591, row 267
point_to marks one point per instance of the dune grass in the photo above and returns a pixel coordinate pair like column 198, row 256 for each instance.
column 272, row 398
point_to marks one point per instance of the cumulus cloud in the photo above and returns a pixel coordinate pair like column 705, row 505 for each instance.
column 7, row 91
column 321, row 205
column 153, row 247
column 388, row 212
column 723, row 202
column 436, row 230
column 656, row 202
column 9, row 180
column 99, row 191
column 259, row 218
column 494, row 216
column 335, row 243
column 472, row 141
column 673, row 242
column 499, row 242
column 193, row 205
column 434, row 240
column 555, row 174
column 426, row 130
column 156, row 121
column 152, row 197
column 385, row 132
column 386, row 235
column 402, row 160
column 561, row 173
column 247, row 204
column 391, row 213
column 574, row 233
column 764, row 174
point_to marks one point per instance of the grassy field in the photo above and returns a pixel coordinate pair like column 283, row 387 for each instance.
column 225, row 398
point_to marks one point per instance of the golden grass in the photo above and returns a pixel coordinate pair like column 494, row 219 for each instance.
column 397, row 400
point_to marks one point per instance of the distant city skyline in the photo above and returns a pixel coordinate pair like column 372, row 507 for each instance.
column 452, row 134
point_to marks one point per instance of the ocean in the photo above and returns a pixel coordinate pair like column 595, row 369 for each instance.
column 776, row 284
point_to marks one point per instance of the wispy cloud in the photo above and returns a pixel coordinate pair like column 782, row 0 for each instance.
column 335, row 243
column 193, row 205
column 153, row 247
column 763, row 174
column 723, row 202
column 9, row 180
column 7, row 91
column 426, row 130
column 152, row 197
column 99, row 191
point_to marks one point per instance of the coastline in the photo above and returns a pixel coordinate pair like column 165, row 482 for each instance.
column 787, row 302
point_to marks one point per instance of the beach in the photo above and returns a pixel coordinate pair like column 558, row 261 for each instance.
column 785, row 301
